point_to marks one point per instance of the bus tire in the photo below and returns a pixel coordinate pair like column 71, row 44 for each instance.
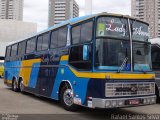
column 21, row 86
column 14, row 85
column 66, row 98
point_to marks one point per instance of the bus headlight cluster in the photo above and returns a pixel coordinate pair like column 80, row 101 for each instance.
column 114, row 103
column 149, row 100
column 121, row 103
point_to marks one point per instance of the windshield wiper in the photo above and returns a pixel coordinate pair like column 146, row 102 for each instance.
column 123, row 64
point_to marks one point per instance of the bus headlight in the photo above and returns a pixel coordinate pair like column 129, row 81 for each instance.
column 108, row 104
column 120, row 103
column 114, row 103
column 153, row 100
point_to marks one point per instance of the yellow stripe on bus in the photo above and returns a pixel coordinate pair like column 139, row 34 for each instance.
column 112, row 75
column 65, row 58
column 9, row 81
column 25, row 72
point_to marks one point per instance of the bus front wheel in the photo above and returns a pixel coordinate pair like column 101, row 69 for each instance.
column 67, row 98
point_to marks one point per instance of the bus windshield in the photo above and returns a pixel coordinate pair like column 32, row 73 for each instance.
column 141, row 46
column 113, row 50
column 139, row 31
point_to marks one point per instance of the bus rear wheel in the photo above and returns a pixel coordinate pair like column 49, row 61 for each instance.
column 21, row 86
column 67, row 98
column 14, row 85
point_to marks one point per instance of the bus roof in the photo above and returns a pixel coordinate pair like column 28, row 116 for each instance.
column 73, row 21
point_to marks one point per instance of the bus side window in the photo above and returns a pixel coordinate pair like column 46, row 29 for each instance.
column 62, row 37
column 14, row 50
column 21, row 48
column 76, row 31
column 31, row 44
column 8, row 53
column 54, row 39
column 76, row 58
column 82, row 33
column 43, row 42
column 59, row 38
column 86, row 32
column 39, row 43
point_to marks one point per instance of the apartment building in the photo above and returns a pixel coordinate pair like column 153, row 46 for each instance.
column 149, row 11
column 11, row 9
column 61, row 10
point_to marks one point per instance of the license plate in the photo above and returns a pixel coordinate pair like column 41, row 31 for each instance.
column 133, row 102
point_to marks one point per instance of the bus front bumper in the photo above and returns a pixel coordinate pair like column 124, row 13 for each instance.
column 122, row 102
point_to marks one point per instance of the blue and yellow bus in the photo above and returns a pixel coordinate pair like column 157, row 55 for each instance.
column 97, row 61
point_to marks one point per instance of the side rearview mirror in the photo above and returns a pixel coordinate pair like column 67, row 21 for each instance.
column 85, row 52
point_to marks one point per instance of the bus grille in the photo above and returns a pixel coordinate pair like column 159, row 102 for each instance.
column 129, row 89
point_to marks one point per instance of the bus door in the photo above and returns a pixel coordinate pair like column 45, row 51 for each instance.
column 55, row 56
column 43, row 79
column 48, row 72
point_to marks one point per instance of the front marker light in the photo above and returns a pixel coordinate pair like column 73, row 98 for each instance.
column 120, row 103
column 148, row 100
column 108, row 104
column 114, row 103
column 153, row 100
column 145, row 101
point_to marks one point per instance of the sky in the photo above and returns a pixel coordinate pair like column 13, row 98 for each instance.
column 36, row 11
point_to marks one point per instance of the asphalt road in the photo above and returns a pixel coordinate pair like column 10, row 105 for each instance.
column 28, row 106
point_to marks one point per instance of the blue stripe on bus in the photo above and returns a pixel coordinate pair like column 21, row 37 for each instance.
column 80, row 88
column 12, row 69
column 34, row 75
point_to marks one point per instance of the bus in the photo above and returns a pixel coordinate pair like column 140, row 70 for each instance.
column 1, row 68
column 97, row 61
column 155, row 51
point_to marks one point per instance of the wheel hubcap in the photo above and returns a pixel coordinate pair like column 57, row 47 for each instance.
column 68, row 97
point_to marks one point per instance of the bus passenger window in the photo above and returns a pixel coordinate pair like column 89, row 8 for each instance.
column 82, row 33
column 59, row 38
column 42, row 43
column 86, row 32
column 8, row 52
column 54, row 39
column 76, row 35
column 21, row 48
column 62, row 37
column 39, row 43
column 14, row 50
column 31, row 44
column 45, row 41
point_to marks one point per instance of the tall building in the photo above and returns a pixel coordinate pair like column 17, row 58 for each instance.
column 11, row 9
column 88, row 7
column 149, row 11
column 61, row 10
